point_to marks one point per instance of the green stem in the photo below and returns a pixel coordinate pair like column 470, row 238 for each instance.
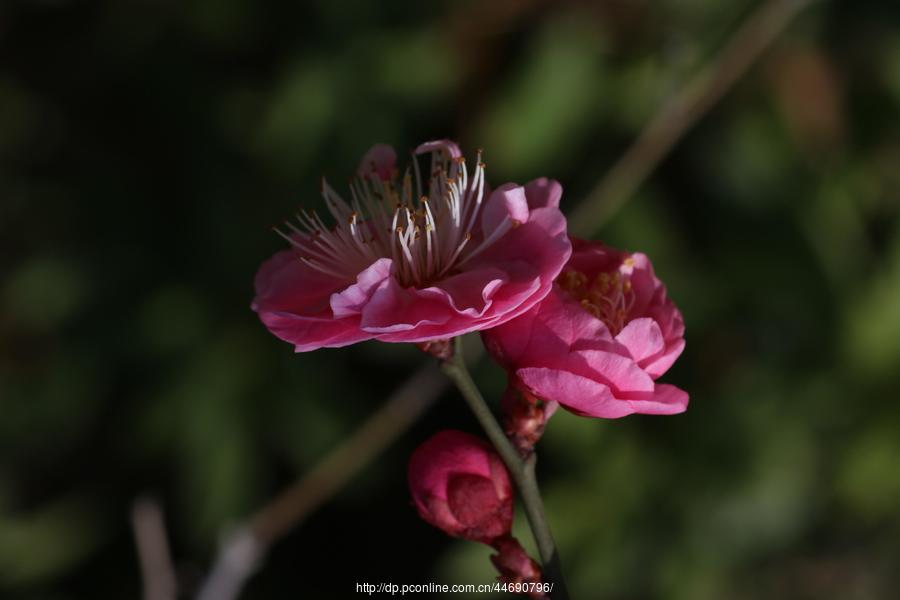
column 522, row 471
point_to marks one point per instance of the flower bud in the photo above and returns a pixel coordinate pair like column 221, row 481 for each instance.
column 440, row 349
column 515, row 566
column 460, row 485
column 524, row 415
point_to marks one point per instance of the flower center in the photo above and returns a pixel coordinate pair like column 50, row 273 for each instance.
column 425, row 232
column 608, row 296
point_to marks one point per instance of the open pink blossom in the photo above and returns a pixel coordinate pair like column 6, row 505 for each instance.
column 413, row 258
column 460, row 485
column 599, row 341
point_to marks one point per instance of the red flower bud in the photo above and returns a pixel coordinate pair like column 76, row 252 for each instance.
column 460, row 485
column 524, row 415
column 516, row 566
column 440, row 349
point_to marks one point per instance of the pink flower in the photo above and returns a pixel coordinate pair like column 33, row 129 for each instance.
column 413, row 259
column 460, row 485
column 597, row 343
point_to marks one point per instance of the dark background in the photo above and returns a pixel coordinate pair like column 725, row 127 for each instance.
column 146, row 146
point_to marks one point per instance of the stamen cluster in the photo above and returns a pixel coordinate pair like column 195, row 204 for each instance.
column 425, row 234
column 608, row 296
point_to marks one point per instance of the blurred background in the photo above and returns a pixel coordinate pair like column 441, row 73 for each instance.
column 147, row 146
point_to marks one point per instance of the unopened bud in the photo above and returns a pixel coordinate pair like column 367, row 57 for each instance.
column 516, row 566
column 524, row 416
column 440, row 349
column 460, row 485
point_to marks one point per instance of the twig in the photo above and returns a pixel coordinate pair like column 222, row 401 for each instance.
column 682, row 111
column 329, row 475
column 239, row 556
column 522, row 471
column 157, row 572
column 241, row 551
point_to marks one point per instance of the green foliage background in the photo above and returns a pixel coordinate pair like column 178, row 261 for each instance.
column 146, row 147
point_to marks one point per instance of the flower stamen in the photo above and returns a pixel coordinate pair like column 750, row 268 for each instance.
column 380, row 221
column 609, row 296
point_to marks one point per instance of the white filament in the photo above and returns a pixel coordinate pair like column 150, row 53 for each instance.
column 425, row 236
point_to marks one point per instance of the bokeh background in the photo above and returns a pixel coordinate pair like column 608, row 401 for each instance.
column 146, row 147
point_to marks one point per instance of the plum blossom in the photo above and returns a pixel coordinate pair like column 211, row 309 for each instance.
column 413, row 258
column 599, row 341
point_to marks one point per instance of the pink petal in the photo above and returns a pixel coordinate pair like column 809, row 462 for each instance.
column 405, row 314
column 642, row 337
column 579, row 394
column 381, row 160
column 352, row 299
column 474, row 503
column 668, row 317
column 393, row 308
column 666, row 400
column 511, row 343
column 447, row 146
column 504, row 305
column 543, row 192
column 292, row 302
column 437, row 512
column 541, row 243
column 284, row 282
column 660, row 364
column 621, row 374
column 469, row 292
column 554, row 327
column 594, row 257
column 572, row 324
column 445, row 453
column 647, row 288
column 508, row 200
column 312, row 333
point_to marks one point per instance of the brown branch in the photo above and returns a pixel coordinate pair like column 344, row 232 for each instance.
column 682, row 111
column 242, row 550
column 394, row 417
column 157, row 572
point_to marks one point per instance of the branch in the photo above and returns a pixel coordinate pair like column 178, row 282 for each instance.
column 157, row 572
column 682, row 111
column 242, row 550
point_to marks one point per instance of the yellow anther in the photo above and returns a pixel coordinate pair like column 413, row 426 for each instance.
column 607, row 296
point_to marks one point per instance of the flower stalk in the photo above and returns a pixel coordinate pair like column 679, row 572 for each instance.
column 521, row 470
